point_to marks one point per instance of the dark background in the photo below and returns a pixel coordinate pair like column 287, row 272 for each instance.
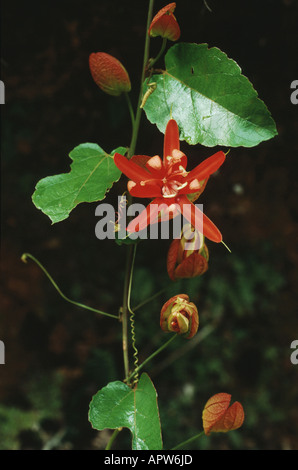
column 58, row 356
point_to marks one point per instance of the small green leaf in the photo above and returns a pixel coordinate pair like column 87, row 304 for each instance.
column 92, row 174
column 117, row 405
column 212, row 102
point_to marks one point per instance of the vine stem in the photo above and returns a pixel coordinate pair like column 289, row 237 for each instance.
column 188, row 441
column 162, row 49
column 112, row 438
column 78, row 304
column 131, row 112
column 136, row 371
column 149, row 299
column 125, row 310
column 138, row 114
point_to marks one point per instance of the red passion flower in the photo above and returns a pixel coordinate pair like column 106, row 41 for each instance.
column 168, row 182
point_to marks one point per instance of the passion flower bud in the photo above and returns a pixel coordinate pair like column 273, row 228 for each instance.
column 188, row 256
column 180, row 316
column 219, row 416
column 109, row 74
column 164, row 24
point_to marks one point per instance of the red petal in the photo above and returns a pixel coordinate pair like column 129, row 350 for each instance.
column 130, row 168
column 180, row 157
column 171, row 139
column 156, row 167
column 198, row 219
column 145, row 190
column 168, row 210
column 207, row 167
column 158, row 210
column 194, row 196
column 148, row 216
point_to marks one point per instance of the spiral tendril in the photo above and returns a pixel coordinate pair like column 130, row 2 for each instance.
column 136, row 352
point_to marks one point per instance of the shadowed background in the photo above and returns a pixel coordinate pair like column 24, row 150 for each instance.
column 58, row 356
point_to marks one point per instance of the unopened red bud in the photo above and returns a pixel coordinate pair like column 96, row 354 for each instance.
column 219, row 416
column 164, row 24
column 188, row 256
column 180, row 316
column 109, row 74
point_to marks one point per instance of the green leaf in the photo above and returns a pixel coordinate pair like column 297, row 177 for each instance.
column 211, row 101
column 117, row 405
column 92, row 174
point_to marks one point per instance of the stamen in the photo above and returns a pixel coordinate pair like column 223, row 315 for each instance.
column 182, row 186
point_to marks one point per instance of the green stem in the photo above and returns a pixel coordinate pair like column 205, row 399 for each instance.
column 137, row 370
column 131, row 248
column 78, row 304
column 136, row 126
column 152, row 297
column 188, row 441
column 131, row 112
column 112, row 438
column 163, row 46
column 126, row 307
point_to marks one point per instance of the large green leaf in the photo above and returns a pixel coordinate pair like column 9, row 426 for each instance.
column 92, row 174
column 117, row 405
column 212, row 102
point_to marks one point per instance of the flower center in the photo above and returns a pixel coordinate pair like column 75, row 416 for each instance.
column 173, row 181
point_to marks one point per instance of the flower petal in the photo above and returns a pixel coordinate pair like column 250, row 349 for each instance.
column 140, row 160
column 145, row 190
column 179, row 157
column 130, row 168
column 194, row 196
column 198, row 219
column 155, row 166
column 171, row 139
column 148, row 216
column 207, row 167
